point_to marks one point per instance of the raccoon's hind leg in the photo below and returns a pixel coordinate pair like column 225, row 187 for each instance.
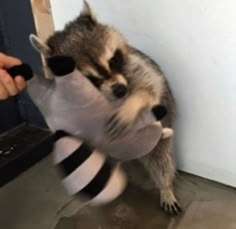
column 161, row 166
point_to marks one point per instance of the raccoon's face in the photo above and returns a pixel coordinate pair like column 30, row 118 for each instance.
column 100, row 52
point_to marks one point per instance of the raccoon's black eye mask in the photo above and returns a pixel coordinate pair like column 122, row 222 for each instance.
column 117, row 61
column 97, row 82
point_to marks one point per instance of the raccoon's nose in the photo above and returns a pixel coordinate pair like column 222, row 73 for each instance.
column 119, row 90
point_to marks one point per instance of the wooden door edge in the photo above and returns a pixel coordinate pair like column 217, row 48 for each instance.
column 43, row 21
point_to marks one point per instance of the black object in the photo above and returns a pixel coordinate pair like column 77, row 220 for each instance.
column 23, row 70
column 22, row 147
column 159, row 112
column 23, row 105
column 119, row 90
column 61, row 65
column 60, row 134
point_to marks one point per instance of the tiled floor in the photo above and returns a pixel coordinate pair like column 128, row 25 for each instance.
column 36, row 200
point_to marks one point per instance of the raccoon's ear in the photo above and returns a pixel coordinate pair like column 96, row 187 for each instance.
column 39, row 45
column 88, row 12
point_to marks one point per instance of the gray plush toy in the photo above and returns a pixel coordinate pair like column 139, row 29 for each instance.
column 77, row 112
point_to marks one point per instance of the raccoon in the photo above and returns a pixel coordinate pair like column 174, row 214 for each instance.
column 122, row 73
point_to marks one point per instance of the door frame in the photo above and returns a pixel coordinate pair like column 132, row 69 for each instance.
column 43, row 20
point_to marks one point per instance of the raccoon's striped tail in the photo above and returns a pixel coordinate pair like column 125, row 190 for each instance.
column 87, row 172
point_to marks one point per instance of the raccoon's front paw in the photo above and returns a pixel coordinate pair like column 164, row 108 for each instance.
column 119, row 122
column 169, row 204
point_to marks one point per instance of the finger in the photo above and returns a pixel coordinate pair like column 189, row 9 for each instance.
column 8, row 61
column 8, row 82
column 20, row 83
column 3, row 92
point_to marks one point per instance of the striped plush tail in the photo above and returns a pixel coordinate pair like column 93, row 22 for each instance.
column 87, row 172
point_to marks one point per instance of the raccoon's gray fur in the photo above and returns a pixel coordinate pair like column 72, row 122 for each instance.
column 102, row 54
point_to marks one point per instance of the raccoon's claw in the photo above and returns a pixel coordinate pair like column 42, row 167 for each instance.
column 169, row 203
column 172, row 209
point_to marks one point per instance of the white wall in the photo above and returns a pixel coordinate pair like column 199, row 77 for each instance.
column 195, row 43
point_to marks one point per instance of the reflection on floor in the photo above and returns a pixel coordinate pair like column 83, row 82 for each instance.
column 36, row 200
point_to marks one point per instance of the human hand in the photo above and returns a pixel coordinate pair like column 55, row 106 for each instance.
column 8, row 85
